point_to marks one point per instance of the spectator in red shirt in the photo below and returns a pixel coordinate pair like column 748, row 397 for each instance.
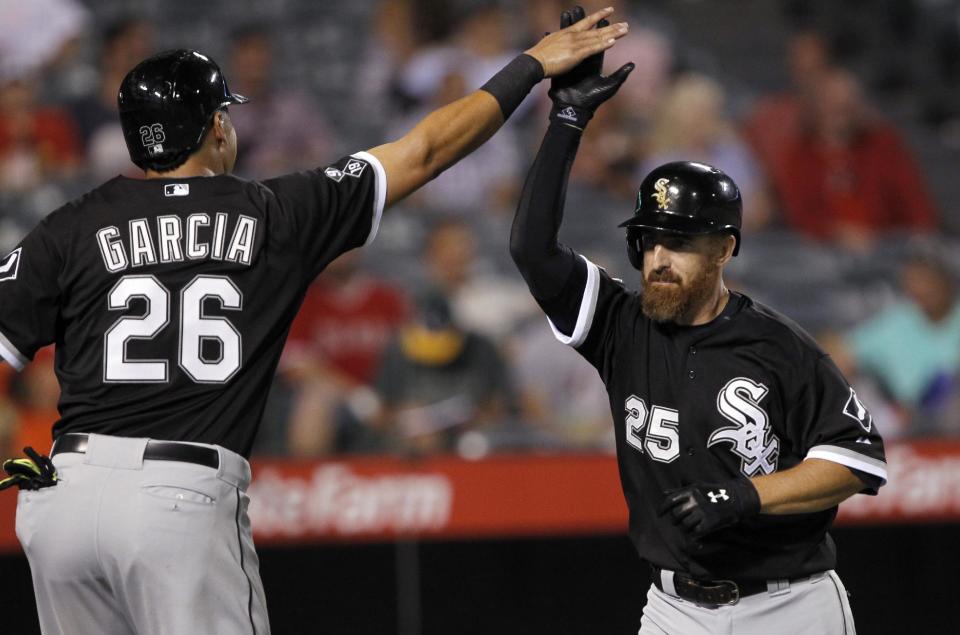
column 36, row 142
column 847, row 176
column 776, row 118
column 334, row 349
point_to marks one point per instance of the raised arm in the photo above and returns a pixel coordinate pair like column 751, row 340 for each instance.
column 555, row 276
column 450, row 133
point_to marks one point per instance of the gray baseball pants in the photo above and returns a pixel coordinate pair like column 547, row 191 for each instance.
column 814, row 606
column 127, row 546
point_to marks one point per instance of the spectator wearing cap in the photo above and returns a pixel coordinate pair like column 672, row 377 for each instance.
column 438, row 382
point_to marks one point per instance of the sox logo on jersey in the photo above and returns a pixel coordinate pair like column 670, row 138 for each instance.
column 751, row 437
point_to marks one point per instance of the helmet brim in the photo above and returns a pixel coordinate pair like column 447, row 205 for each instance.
column 672, row 223
column 234, row 98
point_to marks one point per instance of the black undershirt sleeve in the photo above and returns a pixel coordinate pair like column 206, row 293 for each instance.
column 555, row 274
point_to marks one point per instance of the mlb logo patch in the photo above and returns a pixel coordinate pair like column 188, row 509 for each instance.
column 354, row 168
column 155, row 149
column 176, row 189
column 10, row 265
column 334, row 174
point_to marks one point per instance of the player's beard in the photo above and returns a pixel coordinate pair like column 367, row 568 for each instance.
column 673, row 303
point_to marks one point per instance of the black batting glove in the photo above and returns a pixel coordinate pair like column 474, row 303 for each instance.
column 35, row 472
column 705, row 508
column 579, row 92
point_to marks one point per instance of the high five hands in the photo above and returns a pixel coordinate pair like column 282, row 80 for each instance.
column 576, row 40
column 577, row 93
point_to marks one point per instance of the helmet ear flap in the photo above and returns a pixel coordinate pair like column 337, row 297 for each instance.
column 736, row 235
column 634, row 249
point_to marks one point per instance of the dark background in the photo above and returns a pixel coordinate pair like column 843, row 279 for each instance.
column 903, row 579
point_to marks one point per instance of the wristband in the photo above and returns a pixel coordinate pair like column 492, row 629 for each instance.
column 513, row 82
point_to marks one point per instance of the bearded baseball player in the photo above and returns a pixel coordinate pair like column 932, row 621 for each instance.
column 169, row 300
column 737, row 436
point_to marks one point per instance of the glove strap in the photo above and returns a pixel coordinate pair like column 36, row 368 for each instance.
column 570, row 115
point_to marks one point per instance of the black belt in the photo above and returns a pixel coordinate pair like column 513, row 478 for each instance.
column 713, row 592
column 155, row 450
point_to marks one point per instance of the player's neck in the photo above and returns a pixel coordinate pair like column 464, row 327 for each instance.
column 194, row 166
column 713, row 306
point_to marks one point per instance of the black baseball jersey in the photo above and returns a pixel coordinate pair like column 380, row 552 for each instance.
column 169, row 300
column 748, row 394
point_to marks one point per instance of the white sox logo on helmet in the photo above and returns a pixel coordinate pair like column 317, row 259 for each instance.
column 661, row 193
column 751, row 437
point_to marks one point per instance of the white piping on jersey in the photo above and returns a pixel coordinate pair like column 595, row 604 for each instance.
column 843, row 456
column 588, row 305
column 379, row 192
column 10, row 353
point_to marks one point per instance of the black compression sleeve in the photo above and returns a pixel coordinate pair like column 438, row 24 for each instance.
column 548, row 266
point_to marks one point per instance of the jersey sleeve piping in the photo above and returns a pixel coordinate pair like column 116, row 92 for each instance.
column 849, row 458
column 588, row 305
column 379, row 192
column 11, row 355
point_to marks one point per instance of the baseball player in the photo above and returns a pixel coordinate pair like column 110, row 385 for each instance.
column 737, row 436
column 169, row 300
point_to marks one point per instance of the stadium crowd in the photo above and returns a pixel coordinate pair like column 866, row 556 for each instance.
column 428, row 340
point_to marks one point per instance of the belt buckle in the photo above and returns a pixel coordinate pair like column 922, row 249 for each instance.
column 734, row 593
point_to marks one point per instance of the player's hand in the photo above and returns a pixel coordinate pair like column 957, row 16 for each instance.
column 707, row 507
column 32, row 473
column 578, row 93
column 561, row 51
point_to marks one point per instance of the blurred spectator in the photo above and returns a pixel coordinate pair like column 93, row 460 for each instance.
column 479, row 46
column 394, row 41
column 485, row 181
column 776, row 119
column 559, row 392
column 847, row 176
column 482, row 300
column 607, row 159
column 334, row 348
column 282, row 128
column 8, row 415
column 891, row 420
column 125, row 43
column 438, row 382
column 37, row 142
column 35, row 393
column 913, row 347
column 691, row 125
column 35, row 34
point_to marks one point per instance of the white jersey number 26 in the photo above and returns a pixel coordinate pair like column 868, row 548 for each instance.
column 194, row 325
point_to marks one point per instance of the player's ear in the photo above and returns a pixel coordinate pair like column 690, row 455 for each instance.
column 726, row 244
column 221, row 126
column 722, row 246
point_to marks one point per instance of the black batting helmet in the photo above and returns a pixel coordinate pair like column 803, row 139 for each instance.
column 684, row 198
column 166, row 104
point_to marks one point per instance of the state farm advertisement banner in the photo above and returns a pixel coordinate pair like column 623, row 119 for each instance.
column 442, row 497
column 380, row 498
